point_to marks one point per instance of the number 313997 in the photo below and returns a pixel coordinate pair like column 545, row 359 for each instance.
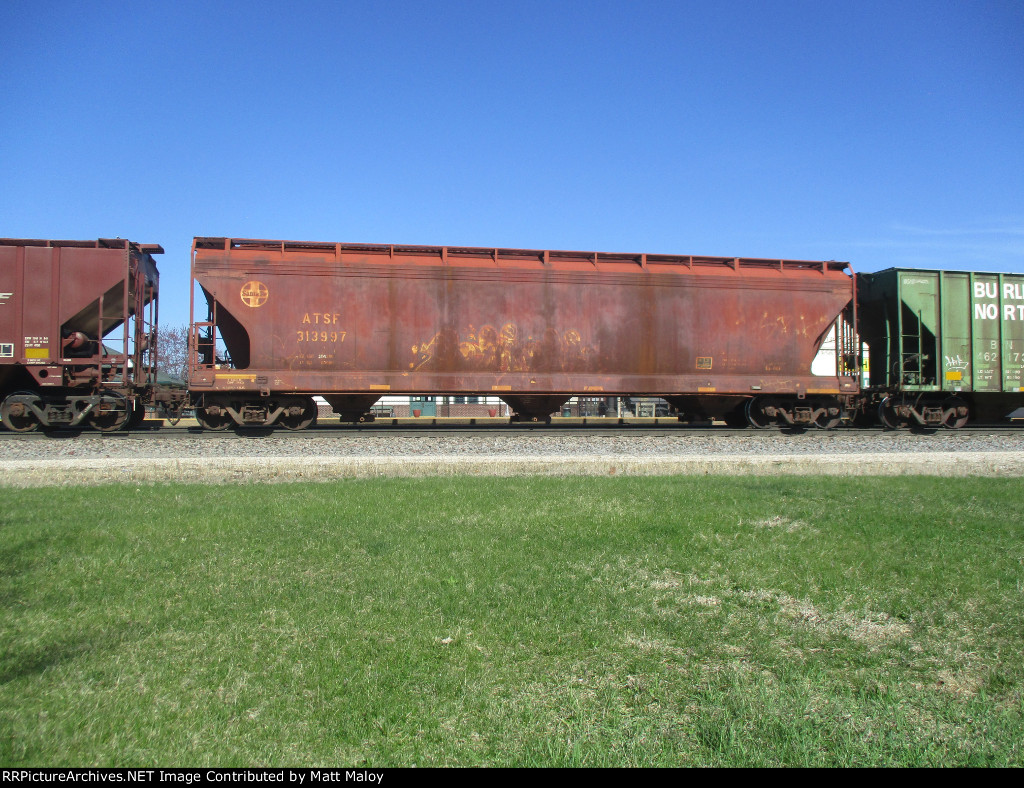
column 321, row 336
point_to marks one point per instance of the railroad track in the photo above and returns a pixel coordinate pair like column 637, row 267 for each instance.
column 377, row 429
column 436, row 429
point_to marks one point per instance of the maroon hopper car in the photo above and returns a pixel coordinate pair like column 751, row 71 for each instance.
column 723, row 337
column 77, row 332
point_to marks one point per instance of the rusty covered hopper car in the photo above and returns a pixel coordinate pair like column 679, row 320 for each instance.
column 77, row 331
column 283, row 321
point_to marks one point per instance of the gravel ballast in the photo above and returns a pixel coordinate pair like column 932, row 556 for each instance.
column 153, row 458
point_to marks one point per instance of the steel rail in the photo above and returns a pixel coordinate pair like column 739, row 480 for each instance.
column 505, row 430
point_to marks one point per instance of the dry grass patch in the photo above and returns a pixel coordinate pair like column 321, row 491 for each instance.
column 784, row 524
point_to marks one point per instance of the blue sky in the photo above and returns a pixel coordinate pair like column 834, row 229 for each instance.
column 887, row 133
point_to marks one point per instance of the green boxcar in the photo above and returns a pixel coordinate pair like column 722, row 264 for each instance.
column 944, row 337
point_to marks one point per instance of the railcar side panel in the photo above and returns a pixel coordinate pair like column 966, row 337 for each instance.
column 323, row 318
column 77, row 329
column 946, row 333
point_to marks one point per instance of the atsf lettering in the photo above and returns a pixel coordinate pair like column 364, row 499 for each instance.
column 321, row 318
column 323, row 334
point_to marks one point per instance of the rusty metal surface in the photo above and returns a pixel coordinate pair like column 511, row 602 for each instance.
column 363, row 319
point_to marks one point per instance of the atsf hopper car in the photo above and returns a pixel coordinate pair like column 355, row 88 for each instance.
column 77, row 332
column 944, row 346
column 730, row 337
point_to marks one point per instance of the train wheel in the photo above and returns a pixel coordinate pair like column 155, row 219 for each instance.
column 954, row 413
column 830, row 419
column 756, row 416
column 887, row 415
column 210, row 421
column 303, row 418
column 111, row 413
column 16, row 413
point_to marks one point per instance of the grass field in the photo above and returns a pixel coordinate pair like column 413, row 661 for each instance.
column 536, row 621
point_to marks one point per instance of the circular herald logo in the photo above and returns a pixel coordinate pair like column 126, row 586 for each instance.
column 254, row 293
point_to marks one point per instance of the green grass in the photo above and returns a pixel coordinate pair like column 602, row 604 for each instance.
column 537, row 621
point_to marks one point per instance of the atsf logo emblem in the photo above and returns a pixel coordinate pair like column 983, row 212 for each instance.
column 254, row 293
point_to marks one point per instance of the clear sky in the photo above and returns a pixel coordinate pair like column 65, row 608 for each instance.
column 883, row 133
